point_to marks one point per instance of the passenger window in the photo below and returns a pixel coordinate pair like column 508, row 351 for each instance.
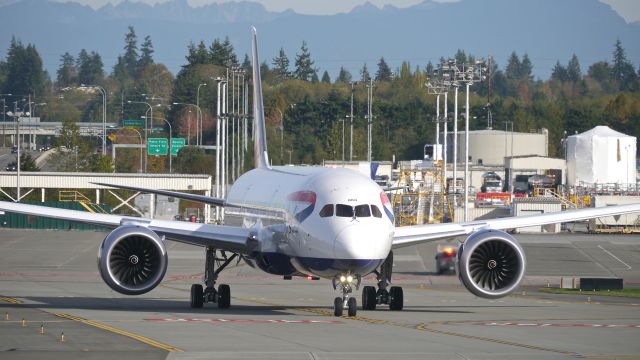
column 376, row 212
column 327, row 211
column 344, row 210
column 363, row 211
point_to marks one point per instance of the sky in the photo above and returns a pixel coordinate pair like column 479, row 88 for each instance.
column 628, row 9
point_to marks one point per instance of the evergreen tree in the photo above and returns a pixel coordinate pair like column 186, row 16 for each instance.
column 314, row 77
column 222, row 53
column 197, row 55
column 559, row 72
column 513, row 66
column 344, row 76
column 384, row 72
column 461, row 57
column 364, row 73
column 622, row 70
column 281, row 66
column 429, row 68
column 526, row 68
column 146, row 53
column 67, row 74
column 90, row 68
column 304, row 65
column 24, row 72
column 325, row 78
column 573, row 69
column 130, row 57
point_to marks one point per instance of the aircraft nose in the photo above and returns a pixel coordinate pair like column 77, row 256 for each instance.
column 361, row 242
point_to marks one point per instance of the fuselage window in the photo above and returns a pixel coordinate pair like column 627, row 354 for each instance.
column 327, row 211
column 362, row 211
column 344, row 210
column 376, row 212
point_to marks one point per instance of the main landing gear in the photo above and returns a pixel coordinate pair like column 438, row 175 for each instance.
column 222, row 296
column 394, row 297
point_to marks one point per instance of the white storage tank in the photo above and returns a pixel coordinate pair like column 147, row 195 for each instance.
column 601, row 156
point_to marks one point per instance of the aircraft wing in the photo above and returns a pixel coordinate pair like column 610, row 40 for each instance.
column 222, row 237
column 180, row 195
column 411, row 235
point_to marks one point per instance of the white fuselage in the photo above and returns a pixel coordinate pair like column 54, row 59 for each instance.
column 313, row 220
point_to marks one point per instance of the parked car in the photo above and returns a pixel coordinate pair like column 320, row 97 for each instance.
column 14, row 149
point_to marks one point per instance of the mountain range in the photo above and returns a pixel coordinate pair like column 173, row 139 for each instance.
column 547, row 30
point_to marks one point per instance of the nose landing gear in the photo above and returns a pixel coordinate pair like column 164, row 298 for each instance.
column 345, row 282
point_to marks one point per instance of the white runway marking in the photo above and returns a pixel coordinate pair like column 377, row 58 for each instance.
column 615, row 257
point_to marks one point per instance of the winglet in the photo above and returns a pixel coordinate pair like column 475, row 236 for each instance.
column 260, row 146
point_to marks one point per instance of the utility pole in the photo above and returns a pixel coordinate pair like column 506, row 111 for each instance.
column 369, row 119
column 351, row 119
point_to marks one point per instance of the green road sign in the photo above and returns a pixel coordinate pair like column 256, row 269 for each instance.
column 157, row 146
column 133, row 123
column 176, row 145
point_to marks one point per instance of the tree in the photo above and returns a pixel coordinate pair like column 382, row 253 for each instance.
column 304, row 65
column 146, row 54
column 344, row 76
column 364, row 73
column 90, row 68
column 222, row 53
column 526, row 68
column 512, row 70
column 197, row 55
column 622, row 70
column 461, row 57
column 559, row 72
column 325, row 77
column 24, row 71
column 281, row 66
column 130, row 57
column 574, row 73
column 27, row 162
column 67, row 74
column 384, row 72
column 192, row 160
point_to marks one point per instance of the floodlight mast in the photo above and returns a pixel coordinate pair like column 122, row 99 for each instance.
column 470, row 74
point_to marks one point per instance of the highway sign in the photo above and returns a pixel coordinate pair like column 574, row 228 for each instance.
column 132, row 123
column 157, row 146
column 176, row 145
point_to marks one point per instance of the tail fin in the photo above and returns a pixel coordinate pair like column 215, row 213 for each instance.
column 260, row 145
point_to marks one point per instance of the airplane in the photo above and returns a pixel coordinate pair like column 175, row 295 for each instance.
column 305, row 221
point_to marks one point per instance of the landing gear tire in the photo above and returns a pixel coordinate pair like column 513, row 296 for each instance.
column 224, row 296
column 197, row 298
column 338, row 306
column 396, row 298
column 368, row 298
column 352, row 307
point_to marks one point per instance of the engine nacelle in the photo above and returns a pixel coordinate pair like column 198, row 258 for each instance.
column 132, row 260
column 491, row 263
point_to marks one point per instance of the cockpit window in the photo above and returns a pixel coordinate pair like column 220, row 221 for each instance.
column 327, row 211
column 344, row 210
column 362, row 211
column 376, row 212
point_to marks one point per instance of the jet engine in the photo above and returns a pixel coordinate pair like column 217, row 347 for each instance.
column 491, row 263
column 132, row 260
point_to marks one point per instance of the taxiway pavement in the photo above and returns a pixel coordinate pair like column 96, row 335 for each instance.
column 50, row 278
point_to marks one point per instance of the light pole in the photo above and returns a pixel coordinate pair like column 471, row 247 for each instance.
column 16, row 116
column 353, row 84
column 145, row 125
column 4, row 118
column 342, row 138
column 199, row 121
column 198, row 116
column 104, row 114
column 219, row 81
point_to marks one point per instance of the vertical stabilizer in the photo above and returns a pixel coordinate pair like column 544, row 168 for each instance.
column 260, row 146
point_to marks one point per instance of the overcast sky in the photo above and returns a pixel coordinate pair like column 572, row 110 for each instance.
column 628, row 9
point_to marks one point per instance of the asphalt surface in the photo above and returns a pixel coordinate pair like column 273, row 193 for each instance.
column 50, row 278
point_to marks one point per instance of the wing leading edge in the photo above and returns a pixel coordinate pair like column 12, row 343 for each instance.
column 222, row 237
column 411, row 235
